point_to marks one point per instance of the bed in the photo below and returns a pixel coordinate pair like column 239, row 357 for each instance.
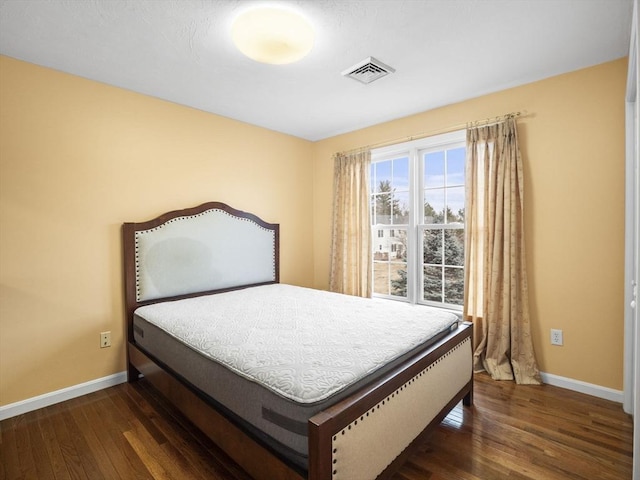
column 212, row 328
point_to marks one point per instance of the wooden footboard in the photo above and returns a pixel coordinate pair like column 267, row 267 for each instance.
column 370, row 434
column 366, row 436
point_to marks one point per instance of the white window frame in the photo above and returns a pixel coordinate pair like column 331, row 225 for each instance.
column 414, row 150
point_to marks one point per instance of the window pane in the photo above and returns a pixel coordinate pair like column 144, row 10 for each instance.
column 398, row 277
column 389, row 244
column 401, row 207
column 433, row 284
column 454, row 285
column 434, row 169
column 455, row 166
column 399, row 242
column 382, row 176
column 454, row 247
column 380, row 252
column 401, row 173
column 381, row 278
column 455, row 205
column 383, row 209
column 432, row 247
column 434, row 206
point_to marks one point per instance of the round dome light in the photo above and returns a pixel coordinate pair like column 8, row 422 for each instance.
column 272, row 35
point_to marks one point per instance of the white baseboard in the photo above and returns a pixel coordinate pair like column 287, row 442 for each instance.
column 583, row 387
column 41, row 401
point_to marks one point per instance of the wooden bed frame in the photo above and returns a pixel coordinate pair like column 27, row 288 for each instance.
column 345, row 439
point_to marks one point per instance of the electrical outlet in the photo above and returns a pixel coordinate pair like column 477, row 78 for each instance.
column 556, row 337
column 105, row 339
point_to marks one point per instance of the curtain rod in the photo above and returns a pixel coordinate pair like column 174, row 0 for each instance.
column 476, row 123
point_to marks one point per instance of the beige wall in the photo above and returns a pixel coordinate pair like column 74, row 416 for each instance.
column 78, row 158
column 572, row 141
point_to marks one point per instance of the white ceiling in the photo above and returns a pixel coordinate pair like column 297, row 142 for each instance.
column 444, row 51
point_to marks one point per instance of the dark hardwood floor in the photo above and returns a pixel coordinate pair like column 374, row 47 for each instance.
column 511, row 432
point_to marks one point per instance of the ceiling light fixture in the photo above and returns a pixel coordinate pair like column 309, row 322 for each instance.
column 272, row 35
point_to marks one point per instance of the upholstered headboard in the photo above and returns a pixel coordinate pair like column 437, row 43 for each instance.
column 204, row 249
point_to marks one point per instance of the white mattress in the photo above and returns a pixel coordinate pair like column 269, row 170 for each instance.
column 302, row 344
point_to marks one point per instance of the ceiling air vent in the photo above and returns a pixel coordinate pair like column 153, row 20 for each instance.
column 368, row 70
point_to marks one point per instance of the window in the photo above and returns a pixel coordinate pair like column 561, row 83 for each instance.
column 417, row 211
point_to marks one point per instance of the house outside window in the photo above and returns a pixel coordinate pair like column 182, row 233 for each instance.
column 417, row 211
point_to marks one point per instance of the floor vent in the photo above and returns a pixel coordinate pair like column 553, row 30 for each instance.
column 368, row 70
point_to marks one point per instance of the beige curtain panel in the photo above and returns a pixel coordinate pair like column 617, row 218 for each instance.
column 496, row 290
column 351, row 262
